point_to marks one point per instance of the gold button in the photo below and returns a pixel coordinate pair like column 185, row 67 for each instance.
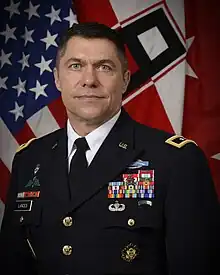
column 131, row 222
column 67, row 250
column 68, row 221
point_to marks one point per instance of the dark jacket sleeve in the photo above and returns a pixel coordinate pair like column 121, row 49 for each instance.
column 15, row 255
column 192, row 216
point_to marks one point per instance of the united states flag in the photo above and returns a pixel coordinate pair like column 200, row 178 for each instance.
column 173, row 52
column 30, row 105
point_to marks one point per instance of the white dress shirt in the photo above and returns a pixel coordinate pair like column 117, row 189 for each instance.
column 94, row 138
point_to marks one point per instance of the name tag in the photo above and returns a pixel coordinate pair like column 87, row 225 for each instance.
column 23, row 205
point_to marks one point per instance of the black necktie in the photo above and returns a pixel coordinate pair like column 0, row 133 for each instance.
column 78, row 163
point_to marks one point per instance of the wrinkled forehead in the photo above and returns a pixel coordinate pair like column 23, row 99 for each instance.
column 90, row 49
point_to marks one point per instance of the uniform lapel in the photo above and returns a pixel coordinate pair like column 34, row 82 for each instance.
column 56, row 165
column 115, row 154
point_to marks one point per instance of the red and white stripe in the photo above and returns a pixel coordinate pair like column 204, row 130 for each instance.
column 48, row 119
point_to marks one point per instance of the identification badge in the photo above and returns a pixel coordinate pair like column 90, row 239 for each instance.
column 23, row 205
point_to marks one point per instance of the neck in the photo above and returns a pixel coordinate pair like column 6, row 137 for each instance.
column 84, row 127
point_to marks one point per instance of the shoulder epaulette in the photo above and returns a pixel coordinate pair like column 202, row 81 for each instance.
column 179, row 141
column 24, row 145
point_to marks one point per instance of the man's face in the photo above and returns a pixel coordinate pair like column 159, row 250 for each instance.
column 91, row 79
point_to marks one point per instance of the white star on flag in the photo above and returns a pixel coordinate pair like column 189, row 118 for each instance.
column 71, row 18
column 17, row 111
column 39, row 90
column 27, row 36
column 44, row 65
column 54, row 15
column 13, row 8
column 24, row 61
column 32, row 10
column 9, row 33
column 50, row 40
column 4, row 58
column 217, row 156
column 20, row 87
column 2, row 82
column 189, row 70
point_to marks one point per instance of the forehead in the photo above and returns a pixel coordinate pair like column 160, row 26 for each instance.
column 94, row 48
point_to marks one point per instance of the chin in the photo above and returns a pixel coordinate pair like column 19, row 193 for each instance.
column 94, row 118
column 89, row 114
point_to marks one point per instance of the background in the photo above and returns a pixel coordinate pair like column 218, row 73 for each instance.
column 173, row 52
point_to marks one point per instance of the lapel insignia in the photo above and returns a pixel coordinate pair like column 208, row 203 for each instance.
column 140, row 185
column 123, row 145
column 116, row 207
column 54, row 146
column 130, row 252
column 34, row 194
column 138, row 164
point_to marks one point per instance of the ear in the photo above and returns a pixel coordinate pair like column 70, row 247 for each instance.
column 127, row 76
column 56, row 78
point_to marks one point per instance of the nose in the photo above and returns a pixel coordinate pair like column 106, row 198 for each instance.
column 89, row 78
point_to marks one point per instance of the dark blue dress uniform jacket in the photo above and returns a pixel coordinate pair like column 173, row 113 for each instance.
column 69, row 229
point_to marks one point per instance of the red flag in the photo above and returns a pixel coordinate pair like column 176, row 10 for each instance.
column 155, row 35
column 202, row 97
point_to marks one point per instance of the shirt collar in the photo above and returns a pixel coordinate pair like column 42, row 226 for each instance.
column 94, row 138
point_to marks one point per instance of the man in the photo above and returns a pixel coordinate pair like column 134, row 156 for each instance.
column 144, row 203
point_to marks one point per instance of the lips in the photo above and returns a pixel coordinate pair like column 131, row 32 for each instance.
column 89, row 97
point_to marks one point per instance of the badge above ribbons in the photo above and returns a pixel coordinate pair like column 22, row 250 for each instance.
column 138, row 185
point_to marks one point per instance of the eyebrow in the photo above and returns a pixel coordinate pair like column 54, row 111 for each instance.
column 103, row 61
column 97, row 63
